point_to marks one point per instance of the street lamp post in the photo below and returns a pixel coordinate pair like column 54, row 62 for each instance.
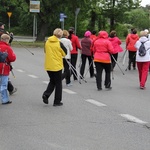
column 76, row 14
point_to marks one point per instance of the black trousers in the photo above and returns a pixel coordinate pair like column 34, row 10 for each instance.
column 54, row 84
column 73, row 62
column 66, row 73
column 132, row 57
column 113, row 62
column 84, row 58
column 99, row 71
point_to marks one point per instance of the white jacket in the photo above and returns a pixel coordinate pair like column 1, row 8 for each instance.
column 147, row 47
column 67, row 43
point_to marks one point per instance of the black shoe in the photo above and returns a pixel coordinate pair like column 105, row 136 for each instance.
column 59, row 104
column 45, row 99
column 9, row 102
column 108, row 88
column 99, row 89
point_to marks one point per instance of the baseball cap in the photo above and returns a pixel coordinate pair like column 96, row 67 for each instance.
column 1, row 24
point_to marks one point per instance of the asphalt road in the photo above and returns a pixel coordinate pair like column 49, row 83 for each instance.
column 89, row 119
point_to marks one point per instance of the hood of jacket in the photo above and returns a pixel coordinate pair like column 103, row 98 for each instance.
column 143, row 39
column 103, row 34
column 53, row 39
column 133, row 36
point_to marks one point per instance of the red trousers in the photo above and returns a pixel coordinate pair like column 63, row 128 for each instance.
column 143, row 68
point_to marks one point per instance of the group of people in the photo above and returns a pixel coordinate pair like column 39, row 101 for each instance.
column 6, row 57
column 62, row 48
column 133, row 43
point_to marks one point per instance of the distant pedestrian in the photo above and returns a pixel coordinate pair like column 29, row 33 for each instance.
column 130, row 42
column 54, row 53
column 74, row 53
column 86, row 43
column 143, row 62
column 102, row 49
column 116, row 42
column 66, row 60
column 93, row 35
column 5, row 67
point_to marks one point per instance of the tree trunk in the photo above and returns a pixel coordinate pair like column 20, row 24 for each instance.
column 42, row 33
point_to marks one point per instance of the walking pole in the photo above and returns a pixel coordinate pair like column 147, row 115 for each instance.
column 124, row 58
column 73, row 70
column 117, row 64
column 89, row 68
column 24, row 47
column 123, row 55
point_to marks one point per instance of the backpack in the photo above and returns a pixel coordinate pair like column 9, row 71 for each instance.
column 3, row 56
column 142, row 50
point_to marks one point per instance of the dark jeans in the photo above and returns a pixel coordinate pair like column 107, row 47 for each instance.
column 73, row 62
column 66, row 73
column 55, row 83
column 99, row 71
column 132, row 56
column 84, row 57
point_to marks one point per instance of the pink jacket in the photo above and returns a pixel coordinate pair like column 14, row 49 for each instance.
column 116, row 42
column 102, row 48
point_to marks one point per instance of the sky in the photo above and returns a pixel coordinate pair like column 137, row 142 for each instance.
column 145, row 2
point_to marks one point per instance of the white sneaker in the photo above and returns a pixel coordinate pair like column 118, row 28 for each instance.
column 69, row 84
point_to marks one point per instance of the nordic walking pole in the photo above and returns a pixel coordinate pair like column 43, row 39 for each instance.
column 24, row 47
column 73, row 70
column 123, row 55
column 124, row 58
column 89, row 68
column 117, row 64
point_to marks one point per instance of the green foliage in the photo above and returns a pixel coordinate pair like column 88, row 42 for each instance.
column 94, row 15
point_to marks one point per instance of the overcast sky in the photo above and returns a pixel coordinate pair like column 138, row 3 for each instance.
column 145, row 2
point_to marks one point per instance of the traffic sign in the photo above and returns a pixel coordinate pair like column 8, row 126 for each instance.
column 9, row 14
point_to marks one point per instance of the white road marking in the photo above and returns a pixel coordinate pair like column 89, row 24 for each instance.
column 32, row 76
column 95, row 102
column 69, row 91
column 19, row 70
column 133, row 119
column 46, row 82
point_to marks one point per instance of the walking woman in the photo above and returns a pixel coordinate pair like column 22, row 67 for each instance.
column 143, row 62
column 86, row 54
column 54, row 53
column 66, row 60
column 74, row 53
column 102, row 49
column 130, row 42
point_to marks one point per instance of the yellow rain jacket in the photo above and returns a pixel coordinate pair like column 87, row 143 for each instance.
column 53, row 54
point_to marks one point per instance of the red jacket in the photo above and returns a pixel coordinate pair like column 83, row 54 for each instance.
column 116, row 42
column 75, row 44
column 102, row 48
column 5, row 67
column 130, row 41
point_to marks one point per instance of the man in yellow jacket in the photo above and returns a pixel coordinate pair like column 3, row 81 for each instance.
column 54, row 53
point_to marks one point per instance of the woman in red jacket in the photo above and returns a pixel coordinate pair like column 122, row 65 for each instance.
column 102, row 49
column 74, row 53
column 130, row 42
